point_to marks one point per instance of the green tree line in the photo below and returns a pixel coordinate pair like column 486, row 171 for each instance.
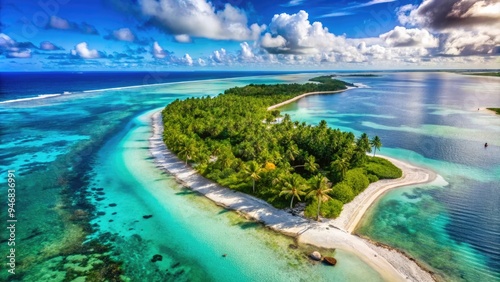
column 232, row 139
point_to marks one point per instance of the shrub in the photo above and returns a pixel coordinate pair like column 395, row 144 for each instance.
column 342, row 192
column 357, row 180
column 382, row 168
column 329, row 209
column 372, row 178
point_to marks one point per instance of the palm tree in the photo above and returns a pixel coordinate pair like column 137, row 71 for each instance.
column 376, row 144
column 292, row 152
column 252, row 170
column 293, row 186
column 188, row 149
column 321, row 186
column 363, row 143
column 310, row 164
column 341, row 165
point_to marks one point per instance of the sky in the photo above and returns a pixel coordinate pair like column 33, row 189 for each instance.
column 164, row 35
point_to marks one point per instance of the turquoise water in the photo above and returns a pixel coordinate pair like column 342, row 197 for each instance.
column 85, row 180
column 431, row 120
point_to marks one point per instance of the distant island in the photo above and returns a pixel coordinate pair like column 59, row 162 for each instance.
column 358, row 75
column 240, row 141
column 496, row 110
column 494, row 74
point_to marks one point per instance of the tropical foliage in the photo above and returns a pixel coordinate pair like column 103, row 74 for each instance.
column 233, row 140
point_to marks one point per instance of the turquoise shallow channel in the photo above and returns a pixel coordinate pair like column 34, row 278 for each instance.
column 85, row 180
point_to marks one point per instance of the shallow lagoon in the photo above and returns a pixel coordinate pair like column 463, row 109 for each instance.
column 431, row 120
column 84, row 174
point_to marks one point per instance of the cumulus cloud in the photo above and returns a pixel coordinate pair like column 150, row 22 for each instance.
column 199, row 18
column 187, row 60
column 294, row 34
column 439, row 15
column 59, row 23
column 82, row 51
column 466, row 27
column 126, row 35
column 182, row 38
column 158, row 52
column 6, row 41
column 246, row 53
column 14, row 49
column 123, row 34
column 56, row 22
column 403, row 37
column 221, row 57
column 49, row 46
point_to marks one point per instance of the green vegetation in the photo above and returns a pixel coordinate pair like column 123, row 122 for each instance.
column 496, row 74
column 233, row 140
column 359, row 75
column 496, row 110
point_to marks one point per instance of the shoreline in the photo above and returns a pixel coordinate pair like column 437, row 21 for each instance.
column 305, row 95
column 390, row 263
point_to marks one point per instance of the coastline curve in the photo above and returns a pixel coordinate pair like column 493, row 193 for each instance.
column 391, row 264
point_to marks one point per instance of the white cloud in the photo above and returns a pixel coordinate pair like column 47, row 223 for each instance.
column 6, row 41
column 124, row 34
column 21, row 54
column 402, row 37
column 59, row 23
column 371, row 3
column 293, row 3
column 201, row 62
column 199, row 18
column 187, row 60
column 158, row 52
column 82, row 51
column 48, row 46
column 336, row 14
column 183, row 38
column 466, row 27
column 294, row 34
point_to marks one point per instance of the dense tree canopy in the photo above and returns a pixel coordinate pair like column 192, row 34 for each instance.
column 233, row 139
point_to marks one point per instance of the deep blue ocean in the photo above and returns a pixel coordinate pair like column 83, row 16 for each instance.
column 17, row 85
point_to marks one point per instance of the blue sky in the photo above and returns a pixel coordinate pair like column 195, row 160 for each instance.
column 245, row 35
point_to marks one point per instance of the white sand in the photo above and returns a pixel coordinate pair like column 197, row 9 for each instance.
column 304, row 95
column 392, row 265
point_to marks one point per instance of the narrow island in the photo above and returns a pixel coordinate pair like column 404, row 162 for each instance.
column 237, row 150
column 493, row 74
column 496, row 110
column 234, row 140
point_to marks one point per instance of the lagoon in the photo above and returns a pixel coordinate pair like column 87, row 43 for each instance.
column 66, row 148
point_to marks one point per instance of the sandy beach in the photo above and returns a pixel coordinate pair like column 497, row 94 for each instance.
column 304, row 95
column 391, row 264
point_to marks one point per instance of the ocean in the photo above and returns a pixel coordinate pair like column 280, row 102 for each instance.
column 85, row 179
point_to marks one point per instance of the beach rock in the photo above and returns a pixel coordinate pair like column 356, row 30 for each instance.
column 147, row 216
column 330, row 261
column 156, row 258
column 315, row 256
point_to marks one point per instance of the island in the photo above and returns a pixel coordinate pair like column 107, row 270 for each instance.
column 236, row 141
column 244, row 157
column 494, row 74
column 496, row 110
